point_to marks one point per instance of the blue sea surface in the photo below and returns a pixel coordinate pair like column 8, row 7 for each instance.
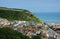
column 49, row 17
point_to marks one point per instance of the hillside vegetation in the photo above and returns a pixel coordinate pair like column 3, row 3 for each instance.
column 8, row 33
column 18, row 14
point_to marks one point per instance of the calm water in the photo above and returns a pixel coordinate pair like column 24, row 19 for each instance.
column 49, row 17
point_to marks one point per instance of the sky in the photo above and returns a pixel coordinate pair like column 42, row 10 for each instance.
column 33, row 5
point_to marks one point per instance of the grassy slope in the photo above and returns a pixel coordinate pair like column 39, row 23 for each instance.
column 18, row 14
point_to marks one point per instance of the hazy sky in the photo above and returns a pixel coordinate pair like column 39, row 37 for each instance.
column 33, row 5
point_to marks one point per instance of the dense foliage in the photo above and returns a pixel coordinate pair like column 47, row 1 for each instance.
column 36, row 37
column 18, row 14
column 8, row 33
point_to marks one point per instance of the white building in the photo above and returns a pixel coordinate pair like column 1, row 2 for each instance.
column 16, row 23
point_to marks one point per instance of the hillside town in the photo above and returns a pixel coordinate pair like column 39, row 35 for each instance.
column 30, row 29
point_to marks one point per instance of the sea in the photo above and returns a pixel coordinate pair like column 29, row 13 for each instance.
column 49, row 17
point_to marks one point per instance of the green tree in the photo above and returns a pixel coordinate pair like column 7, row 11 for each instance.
column 8, row 33
column 36, row 37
